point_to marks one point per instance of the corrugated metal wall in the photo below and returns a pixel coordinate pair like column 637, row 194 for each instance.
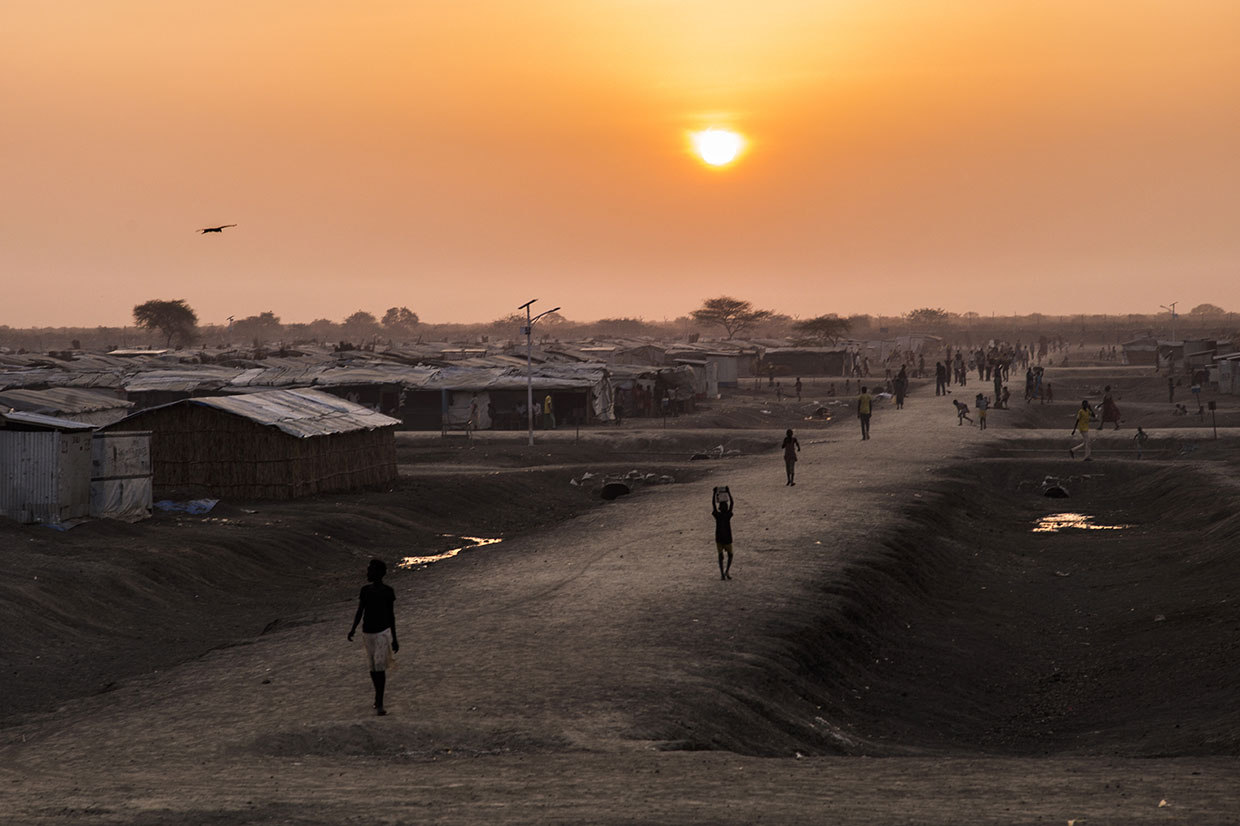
column 44, row 476
column 120, row 484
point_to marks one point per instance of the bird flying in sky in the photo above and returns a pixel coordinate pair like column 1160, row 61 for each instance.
column 216, row 229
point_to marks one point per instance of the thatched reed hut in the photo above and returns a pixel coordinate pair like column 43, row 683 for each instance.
column 277, row 444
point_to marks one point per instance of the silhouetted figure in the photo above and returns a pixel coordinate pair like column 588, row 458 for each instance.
column 900, row 385
column 865, row 406
column 1110, row 410
column 722, row 512
column 376, row 612
column 1084, row 415
column 798, row 388
column 983, row 406
column 940, row 379
column 791, row 447
column 962, row 412
column 215, row 229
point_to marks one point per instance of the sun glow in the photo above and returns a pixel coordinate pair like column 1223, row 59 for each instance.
column 717, row 147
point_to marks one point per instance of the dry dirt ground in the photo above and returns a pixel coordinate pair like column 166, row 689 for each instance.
column 897, row 645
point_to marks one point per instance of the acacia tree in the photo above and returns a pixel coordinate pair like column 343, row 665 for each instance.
column 400, row 320
column 828, row 327
column 174, row 319
column 734, row 315
column 928, row 316
column 259, row 328
column 1207, row 309
column 360, row 325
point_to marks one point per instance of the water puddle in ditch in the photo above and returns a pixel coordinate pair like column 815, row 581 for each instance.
column 1056, row 522
column 474, row 542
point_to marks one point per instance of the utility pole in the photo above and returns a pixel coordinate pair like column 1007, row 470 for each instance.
column 1171, row 309
column 529, row 363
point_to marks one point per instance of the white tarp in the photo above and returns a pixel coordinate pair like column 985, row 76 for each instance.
column 120, row 478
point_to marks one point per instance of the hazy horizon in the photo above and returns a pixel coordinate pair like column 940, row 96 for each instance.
column 460, row 159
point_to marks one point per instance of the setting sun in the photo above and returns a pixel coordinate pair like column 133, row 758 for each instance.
column 717, row 147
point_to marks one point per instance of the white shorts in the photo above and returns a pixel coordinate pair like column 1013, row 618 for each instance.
column 378, row 649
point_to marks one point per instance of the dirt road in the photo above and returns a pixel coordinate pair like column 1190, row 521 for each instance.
column 602, row 672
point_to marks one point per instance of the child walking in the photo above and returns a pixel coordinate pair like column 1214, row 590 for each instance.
column 791, row 447
column 376, row 613
column 722, row 512
column 962, row 412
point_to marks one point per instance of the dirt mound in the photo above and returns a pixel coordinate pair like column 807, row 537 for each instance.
column 396, row 741
column 970, row 632
column 84, row 609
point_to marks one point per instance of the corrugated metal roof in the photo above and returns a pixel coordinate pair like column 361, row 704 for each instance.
column 300, row 413
column 60, row 400
column 39, row 420
column 186, row 379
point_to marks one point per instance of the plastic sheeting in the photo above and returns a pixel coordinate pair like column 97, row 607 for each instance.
column 128, row 500
column 120, row 476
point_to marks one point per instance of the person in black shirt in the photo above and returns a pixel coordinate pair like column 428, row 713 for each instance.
column 791, row 447
column 723, row 534
column 376, row 613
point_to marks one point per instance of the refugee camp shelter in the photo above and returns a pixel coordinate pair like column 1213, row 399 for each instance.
column 44, row 468
column 277, row 444
column 120, row 475
column 806, row 361
column 1143, row 351
column 1227, row 373
column 75, row 404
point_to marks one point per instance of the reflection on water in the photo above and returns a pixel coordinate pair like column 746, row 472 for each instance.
column 1056, row 522
column 474, row 542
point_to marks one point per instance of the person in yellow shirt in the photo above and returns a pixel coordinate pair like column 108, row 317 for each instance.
column 865, row 404
column 1084, row 415
column 548, row 413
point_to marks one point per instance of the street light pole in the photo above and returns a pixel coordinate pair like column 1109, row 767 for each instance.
column 1171, row 309
column 529, row 363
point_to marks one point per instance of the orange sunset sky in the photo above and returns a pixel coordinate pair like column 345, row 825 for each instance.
column 464, row 156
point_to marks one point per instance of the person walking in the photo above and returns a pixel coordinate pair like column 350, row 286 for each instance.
column 1141, row 438
column 1084, row 415
column 722, row 511
column 1110, row 410
column 901, row 387
column 791, row 448
column 865, row 405
column 376, row 613
column 983, row 405
column 940, row 379
column 548, row 413
column 798, row 388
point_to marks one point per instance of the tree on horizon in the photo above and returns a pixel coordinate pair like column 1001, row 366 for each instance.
column 361, row 325
column 734, row 315
column 828, row 327
column 928, row 316
column 173, row 319
column 257, row 329
column 399, row 320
